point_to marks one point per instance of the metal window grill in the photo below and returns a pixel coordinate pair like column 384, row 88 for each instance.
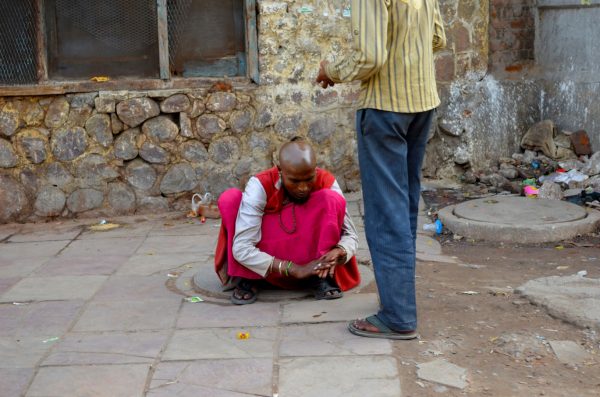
column 18, row 60
column 176, row 19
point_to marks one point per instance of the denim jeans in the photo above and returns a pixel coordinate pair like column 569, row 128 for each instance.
column 391, row 147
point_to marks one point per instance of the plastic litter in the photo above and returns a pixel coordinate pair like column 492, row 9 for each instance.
column 194, row 299
column 528, row 182
column 531, row 191
column 582, row 273
column 51, row 339
column 20, row 303
column 435, row 227
column 243, row 335
column 469, row 293
column 102, row 227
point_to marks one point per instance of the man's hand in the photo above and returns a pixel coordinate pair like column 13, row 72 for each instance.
column 333, row 258
column 322, row 79
column 312, row 268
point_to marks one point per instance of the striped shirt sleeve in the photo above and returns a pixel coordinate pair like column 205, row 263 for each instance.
column 439, row 36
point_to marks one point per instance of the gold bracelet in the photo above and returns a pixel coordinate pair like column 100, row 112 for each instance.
column 279, row 267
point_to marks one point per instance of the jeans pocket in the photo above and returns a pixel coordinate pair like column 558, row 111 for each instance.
column 362, row 120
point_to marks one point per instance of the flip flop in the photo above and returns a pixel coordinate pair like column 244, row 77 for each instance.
column 384, row 332
column 322, row 287
column 244, row 287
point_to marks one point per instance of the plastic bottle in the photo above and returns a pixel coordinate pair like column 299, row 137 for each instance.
column 435, row 227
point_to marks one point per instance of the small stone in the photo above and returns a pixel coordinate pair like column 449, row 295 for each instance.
column 31, row 112
column 8, row 157
column 259, row 141
column 225, row 150
column 84, row 200
column 288, row 126
column 160, row 129
column 50, row 201
column 125, row 145
column 495, row 180
column 241, row 120
column 529, row 156
column 581, row 143
column 185, row 126
column 68, row 143
column 509, row 172
column 58, row 112
column 57, row 175
column 121, row 198
column 320, row 130
column 116, row 125
column 550, row 191
column 94, row 170
column 82, row 99
column 194, row 152
column 196, row 109
column 461, row 155
column 569, row 352
column 451, row 127
column 79, row 116
column 140, row 175
column 208, row 125
column 105, row 105
column 264, row 118
column 469, row 177
column 153, row 204
column 33, row 144
column 153, row 153
column 14, row 204
column 134, row 112
column 9, row 120
column 221, row 102
column 442, row 372
column 179, row 178
column 175, row 104
column 98, row 126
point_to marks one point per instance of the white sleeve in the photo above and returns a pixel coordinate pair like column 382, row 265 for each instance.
column 349, row 238
column 248, row 229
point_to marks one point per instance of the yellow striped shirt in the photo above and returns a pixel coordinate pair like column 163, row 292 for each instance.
column 392, row 54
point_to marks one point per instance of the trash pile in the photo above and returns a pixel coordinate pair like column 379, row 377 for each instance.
column 553, row 165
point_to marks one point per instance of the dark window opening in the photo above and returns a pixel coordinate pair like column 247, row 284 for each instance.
column 18, row 61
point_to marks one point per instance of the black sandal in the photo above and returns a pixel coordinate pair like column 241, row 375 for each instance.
column 326, row 288
column 243, row 288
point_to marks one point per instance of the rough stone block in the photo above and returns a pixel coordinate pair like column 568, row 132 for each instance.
column 443, row 372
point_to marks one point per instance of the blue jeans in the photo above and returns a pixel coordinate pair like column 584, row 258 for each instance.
column 391, row 147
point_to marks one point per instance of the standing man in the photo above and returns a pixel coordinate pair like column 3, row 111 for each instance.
column 392, row 56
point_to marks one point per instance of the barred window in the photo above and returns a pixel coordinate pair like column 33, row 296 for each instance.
column 42, row 41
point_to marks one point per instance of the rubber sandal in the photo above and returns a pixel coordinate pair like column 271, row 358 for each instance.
column 385, row 332
column 322, row 287
column 244, row 287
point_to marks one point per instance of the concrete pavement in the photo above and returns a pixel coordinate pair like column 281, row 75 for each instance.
column 86, row 313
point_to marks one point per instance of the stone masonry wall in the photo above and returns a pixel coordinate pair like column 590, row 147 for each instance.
column 105, row 153
column 512, row 34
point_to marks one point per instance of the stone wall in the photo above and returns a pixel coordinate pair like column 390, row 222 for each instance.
column 512, row 34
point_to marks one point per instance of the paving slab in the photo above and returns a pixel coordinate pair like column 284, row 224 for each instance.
column 350, row 307
column 206, row 282
column 435, row 258
column 216, row 343
column 148, row 314
column 178, row 244
column 38, row 318
column 20, row 267
column 107, row 348
column 132, row 230
column 214, row 378
column 7, row 283
column 428, row 245
column 105, row 246
column 185, row 228
column 14, row 381
column 519, row 219
column 53, row 288
column 569, row 352
column 574, row 299
column 373, row 376
column 24, row 351
column 8, row 230
column 38, row 249
column 90, row 381
column 147, row 265
column 209, row 315
column 84, row 265
column 45, row 235
column 330, row 339
column 135, row 288
column 443, row 372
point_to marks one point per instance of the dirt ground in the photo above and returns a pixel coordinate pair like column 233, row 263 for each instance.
column 499, row 337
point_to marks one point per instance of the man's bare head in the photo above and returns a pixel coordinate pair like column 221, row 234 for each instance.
column 297, row 163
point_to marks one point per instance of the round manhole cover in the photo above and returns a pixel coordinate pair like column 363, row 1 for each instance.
column 519, row 211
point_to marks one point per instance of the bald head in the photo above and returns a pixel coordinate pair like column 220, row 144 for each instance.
column 298, row 166
column 297, row 155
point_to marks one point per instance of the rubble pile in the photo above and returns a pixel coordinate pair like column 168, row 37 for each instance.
column 553, row 165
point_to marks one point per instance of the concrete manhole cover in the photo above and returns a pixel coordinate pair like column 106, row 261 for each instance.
column 519, row 219
column 519, row 210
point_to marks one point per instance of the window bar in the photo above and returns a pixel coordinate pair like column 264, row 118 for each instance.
column 41, row 54
column 163, row 39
